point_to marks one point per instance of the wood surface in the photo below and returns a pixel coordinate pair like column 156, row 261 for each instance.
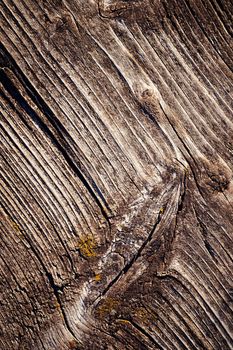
column 116, row 187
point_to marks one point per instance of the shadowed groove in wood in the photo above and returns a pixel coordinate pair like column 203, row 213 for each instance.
column 116, row 174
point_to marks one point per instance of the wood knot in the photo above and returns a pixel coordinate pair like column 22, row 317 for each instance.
column 146, row 94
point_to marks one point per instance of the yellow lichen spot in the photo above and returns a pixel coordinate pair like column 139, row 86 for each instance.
column 57, row 305
column 122, row 320
column 143, row 315
column 161, row 210
column 16, row 228
column 87, row 244
column 97, row 277
column 107, row 306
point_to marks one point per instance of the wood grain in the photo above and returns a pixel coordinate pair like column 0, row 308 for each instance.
column 116, row 174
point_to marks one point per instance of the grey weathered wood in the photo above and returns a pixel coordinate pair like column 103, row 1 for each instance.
column 116, row 174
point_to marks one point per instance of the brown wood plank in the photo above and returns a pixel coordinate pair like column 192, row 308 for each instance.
column 116, row 183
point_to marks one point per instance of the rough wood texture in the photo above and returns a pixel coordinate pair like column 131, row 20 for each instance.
column 116, row 174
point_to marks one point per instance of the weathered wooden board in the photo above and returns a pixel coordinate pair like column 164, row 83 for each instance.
column 116, row 174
